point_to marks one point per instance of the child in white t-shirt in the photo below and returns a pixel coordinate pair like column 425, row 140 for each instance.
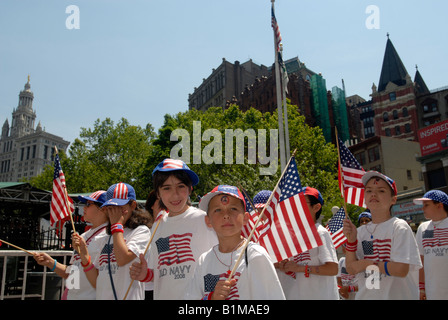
column 79, row 287
column 316, row 269
column 181, row 237
column 127, row 237
column 254, row 277
column 432, row 240
column 383, row 253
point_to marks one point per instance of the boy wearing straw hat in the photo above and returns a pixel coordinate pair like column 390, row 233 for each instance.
column 255, row 277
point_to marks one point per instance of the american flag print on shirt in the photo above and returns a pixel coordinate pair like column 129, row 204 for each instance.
column 175, row 249
column 210, row 281
column 377, row 249
column 107, row 250
column 435, row 238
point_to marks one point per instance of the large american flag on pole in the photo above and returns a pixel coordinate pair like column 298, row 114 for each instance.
column 335, row 227
column 277, row 35
column 292, row 230
column 350, row 173
column 59, row 208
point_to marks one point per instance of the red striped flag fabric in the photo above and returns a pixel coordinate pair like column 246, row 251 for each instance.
column 335, row 227
column 277, row 35
column 58, row 208
column 350, row 173
column 377, row 249
column 173, row 164
column 437, row 237
column 175, row 249
column 292, row 229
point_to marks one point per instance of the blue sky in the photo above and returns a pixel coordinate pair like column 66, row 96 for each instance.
column 139, row 59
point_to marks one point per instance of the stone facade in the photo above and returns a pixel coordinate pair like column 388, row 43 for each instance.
column 25, row 149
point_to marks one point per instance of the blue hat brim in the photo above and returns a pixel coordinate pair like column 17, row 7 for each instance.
column 84, row 199
column 116, row 202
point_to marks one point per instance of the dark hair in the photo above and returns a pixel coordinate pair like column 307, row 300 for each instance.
column 314, row 201
column 152, row 197
column 160, row 177
column 445, row 207
column 138, row 217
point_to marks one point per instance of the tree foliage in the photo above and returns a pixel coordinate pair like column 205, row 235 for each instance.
column 106, row 154
column 110, row 153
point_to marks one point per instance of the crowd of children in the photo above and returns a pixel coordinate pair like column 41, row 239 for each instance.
column 173, row 250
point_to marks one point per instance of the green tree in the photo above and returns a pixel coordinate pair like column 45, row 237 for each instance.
column 316, row 159
column 106, row 154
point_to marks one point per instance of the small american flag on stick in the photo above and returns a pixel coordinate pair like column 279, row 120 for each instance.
column 61, row 205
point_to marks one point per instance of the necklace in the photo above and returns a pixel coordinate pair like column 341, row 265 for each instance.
column 231, row 255
column 371, row 233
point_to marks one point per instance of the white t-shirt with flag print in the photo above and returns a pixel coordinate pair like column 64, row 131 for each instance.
column 394, row 241
column 314, row 287
column 432, row 240
column 136, row 241
column 175, row 248
column 83, row 290
column 256, row 280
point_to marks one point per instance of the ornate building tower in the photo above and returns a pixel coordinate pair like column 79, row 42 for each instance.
column 394, row 101
column 24, row 149
column 23, row 116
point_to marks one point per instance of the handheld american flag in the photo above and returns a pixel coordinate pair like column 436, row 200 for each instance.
column 59, row 209
column 292, row 230
column 335, row 227
column 350, row 173
column 254, row 214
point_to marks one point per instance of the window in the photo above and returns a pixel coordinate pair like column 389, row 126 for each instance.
column 388, row 133
column 374, row 154
column 409, row 174
column 392, row 96
column 385, row 116
column 395, row 114
column 397, row 130
column 407, row 128
column 405, row 112
column 361, row 157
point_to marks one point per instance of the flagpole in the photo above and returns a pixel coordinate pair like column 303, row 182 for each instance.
column 340, row 173
column 67, row 204
column 285, row 107
column 12, row 245
column 279, row 101
column 260, row 217
column 147, row 247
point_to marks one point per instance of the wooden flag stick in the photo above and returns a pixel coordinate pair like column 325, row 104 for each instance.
column 259, row 219
column 13, row 245
column 147, row 247
column 341, row 175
